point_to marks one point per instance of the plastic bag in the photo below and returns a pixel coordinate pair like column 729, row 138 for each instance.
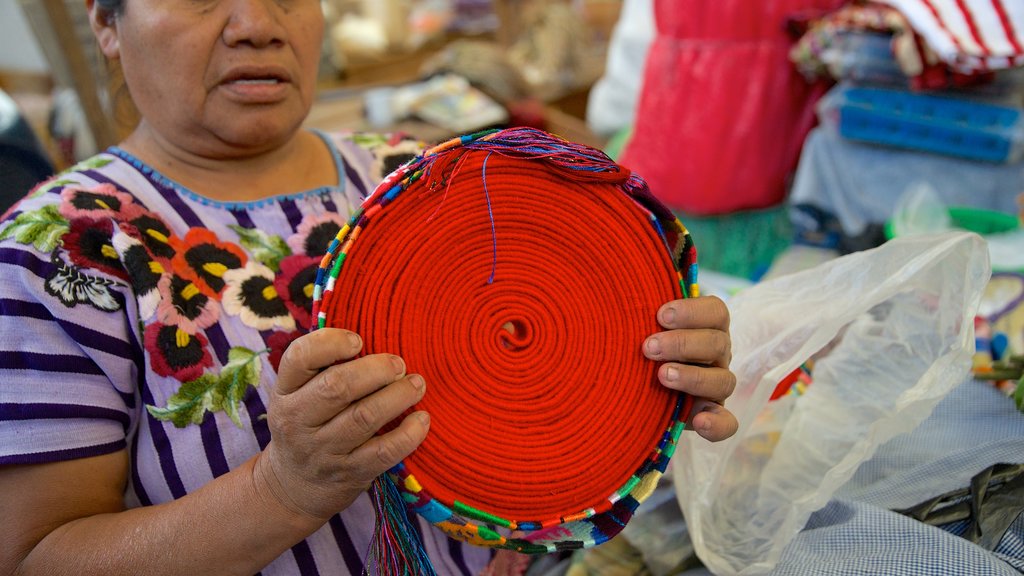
column 891, row 332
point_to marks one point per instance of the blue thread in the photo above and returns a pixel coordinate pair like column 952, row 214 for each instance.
column 494, row 235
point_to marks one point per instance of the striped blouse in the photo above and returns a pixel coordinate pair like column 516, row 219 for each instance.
column 137, row 314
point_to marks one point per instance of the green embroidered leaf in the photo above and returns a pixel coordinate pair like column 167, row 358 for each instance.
column 51, row 185
column 42, row 228
column 242, row 371
column 369, row 140
column 222, row 392
column 1018, row 395
column 268, row 250
column 190, row 404
column 93, row 163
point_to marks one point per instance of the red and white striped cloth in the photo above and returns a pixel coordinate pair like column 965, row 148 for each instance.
column 969, row 35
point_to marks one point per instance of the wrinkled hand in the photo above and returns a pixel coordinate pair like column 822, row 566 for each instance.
column 324, row 416
column 696, row 351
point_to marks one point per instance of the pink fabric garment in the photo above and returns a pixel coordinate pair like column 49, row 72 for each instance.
column 723, row 112
column 969, row 35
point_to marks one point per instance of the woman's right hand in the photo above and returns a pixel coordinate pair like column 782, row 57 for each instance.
column 324, row 416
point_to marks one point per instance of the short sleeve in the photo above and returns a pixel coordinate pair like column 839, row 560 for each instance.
column 68, row 363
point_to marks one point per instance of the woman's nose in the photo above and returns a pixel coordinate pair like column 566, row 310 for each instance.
column 253, row 22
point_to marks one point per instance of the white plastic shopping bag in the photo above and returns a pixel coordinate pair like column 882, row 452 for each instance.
column 891, row 332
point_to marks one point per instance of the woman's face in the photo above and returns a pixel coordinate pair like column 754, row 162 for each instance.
column 218, row 77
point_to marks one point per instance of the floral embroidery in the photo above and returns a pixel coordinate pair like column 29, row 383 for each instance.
column 278, row 342
column 89, row 244
column 184, row 306
column 41, row 228
column 251, row 294
column 295, row 286
column 100, row 201
column 150, row 229
column 392, row 155
column 176, row 353
column 266, row 249
column 208, row 393
column 204, row 259
column 72, row 287
column 144, row 272
column 315, row 234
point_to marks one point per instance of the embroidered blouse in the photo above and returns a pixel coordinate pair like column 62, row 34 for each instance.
column 136, row 314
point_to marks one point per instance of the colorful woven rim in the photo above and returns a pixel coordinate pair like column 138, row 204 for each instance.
column 519, row 274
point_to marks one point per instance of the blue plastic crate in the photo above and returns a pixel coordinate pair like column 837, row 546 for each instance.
column 942, row 125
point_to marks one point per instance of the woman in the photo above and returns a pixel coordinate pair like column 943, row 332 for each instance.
column 151, row 420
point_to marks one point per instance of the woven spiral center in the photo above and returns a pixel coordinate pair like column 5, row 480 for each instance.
column 525, row 312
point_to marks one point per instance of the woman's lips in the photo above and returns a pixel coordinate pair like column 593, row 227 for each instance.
column 256, row 90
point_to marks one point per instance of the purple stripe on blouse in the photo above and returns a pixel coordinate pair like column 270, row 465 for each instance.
column 455, row 549
column 177, row 203
column 219, row 342
column 356, row 179
column 330, row 206
column 291, row 212
column 62, row 455
column 27, row 260
column 140, row 488
column 212, row 445
column 257, row 416
column 58, row 363
column 348, row 550
column 304, row 558
column 39, row 411
column 85, row 336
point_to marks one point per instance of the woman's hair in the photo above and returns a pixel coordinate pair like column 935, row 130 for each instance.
column 126, row 115
column 111, row 7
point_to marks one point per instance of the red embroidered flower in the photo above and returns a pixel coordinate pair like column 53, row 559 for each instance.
column 151, row 230
column 184, row 306
column 315, row 233
column 202, row 258
column 251, row 294
column 174, row 352
column 278, row 342
column 100, row 201
column 295, row 285
column 89, row 244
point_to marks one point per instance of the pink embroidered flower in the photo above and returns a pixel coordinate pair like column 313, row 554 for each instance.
column 295, row 285
column 182, row 304
column 89, row 244
column 202, row 258
column 151, row 230
column 100, row 201
column 176, row 353
column 315, row 233
column 278, row 342
column 144, row 272
column 251, row 294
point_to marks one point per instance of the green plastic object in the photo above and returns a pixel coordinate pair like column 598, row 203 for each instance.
column 975, row 220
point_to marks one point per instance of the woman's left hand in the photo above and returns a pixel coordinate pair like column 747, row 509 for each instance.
column 695, row 349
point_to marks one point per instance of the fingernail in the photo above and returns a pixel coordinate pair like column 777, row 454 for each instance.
column 424, row 418
column 355, row 341
column 653, row 347
column 668, row 316
column 671, row 374
column 417, row 381
column 398, row 364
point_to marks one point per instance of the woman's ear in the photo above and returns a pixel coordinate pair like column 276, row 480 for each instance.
column 104, row 27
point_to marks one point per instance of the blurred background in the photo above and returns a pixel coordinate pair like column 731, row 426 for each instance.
column 783, row 133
